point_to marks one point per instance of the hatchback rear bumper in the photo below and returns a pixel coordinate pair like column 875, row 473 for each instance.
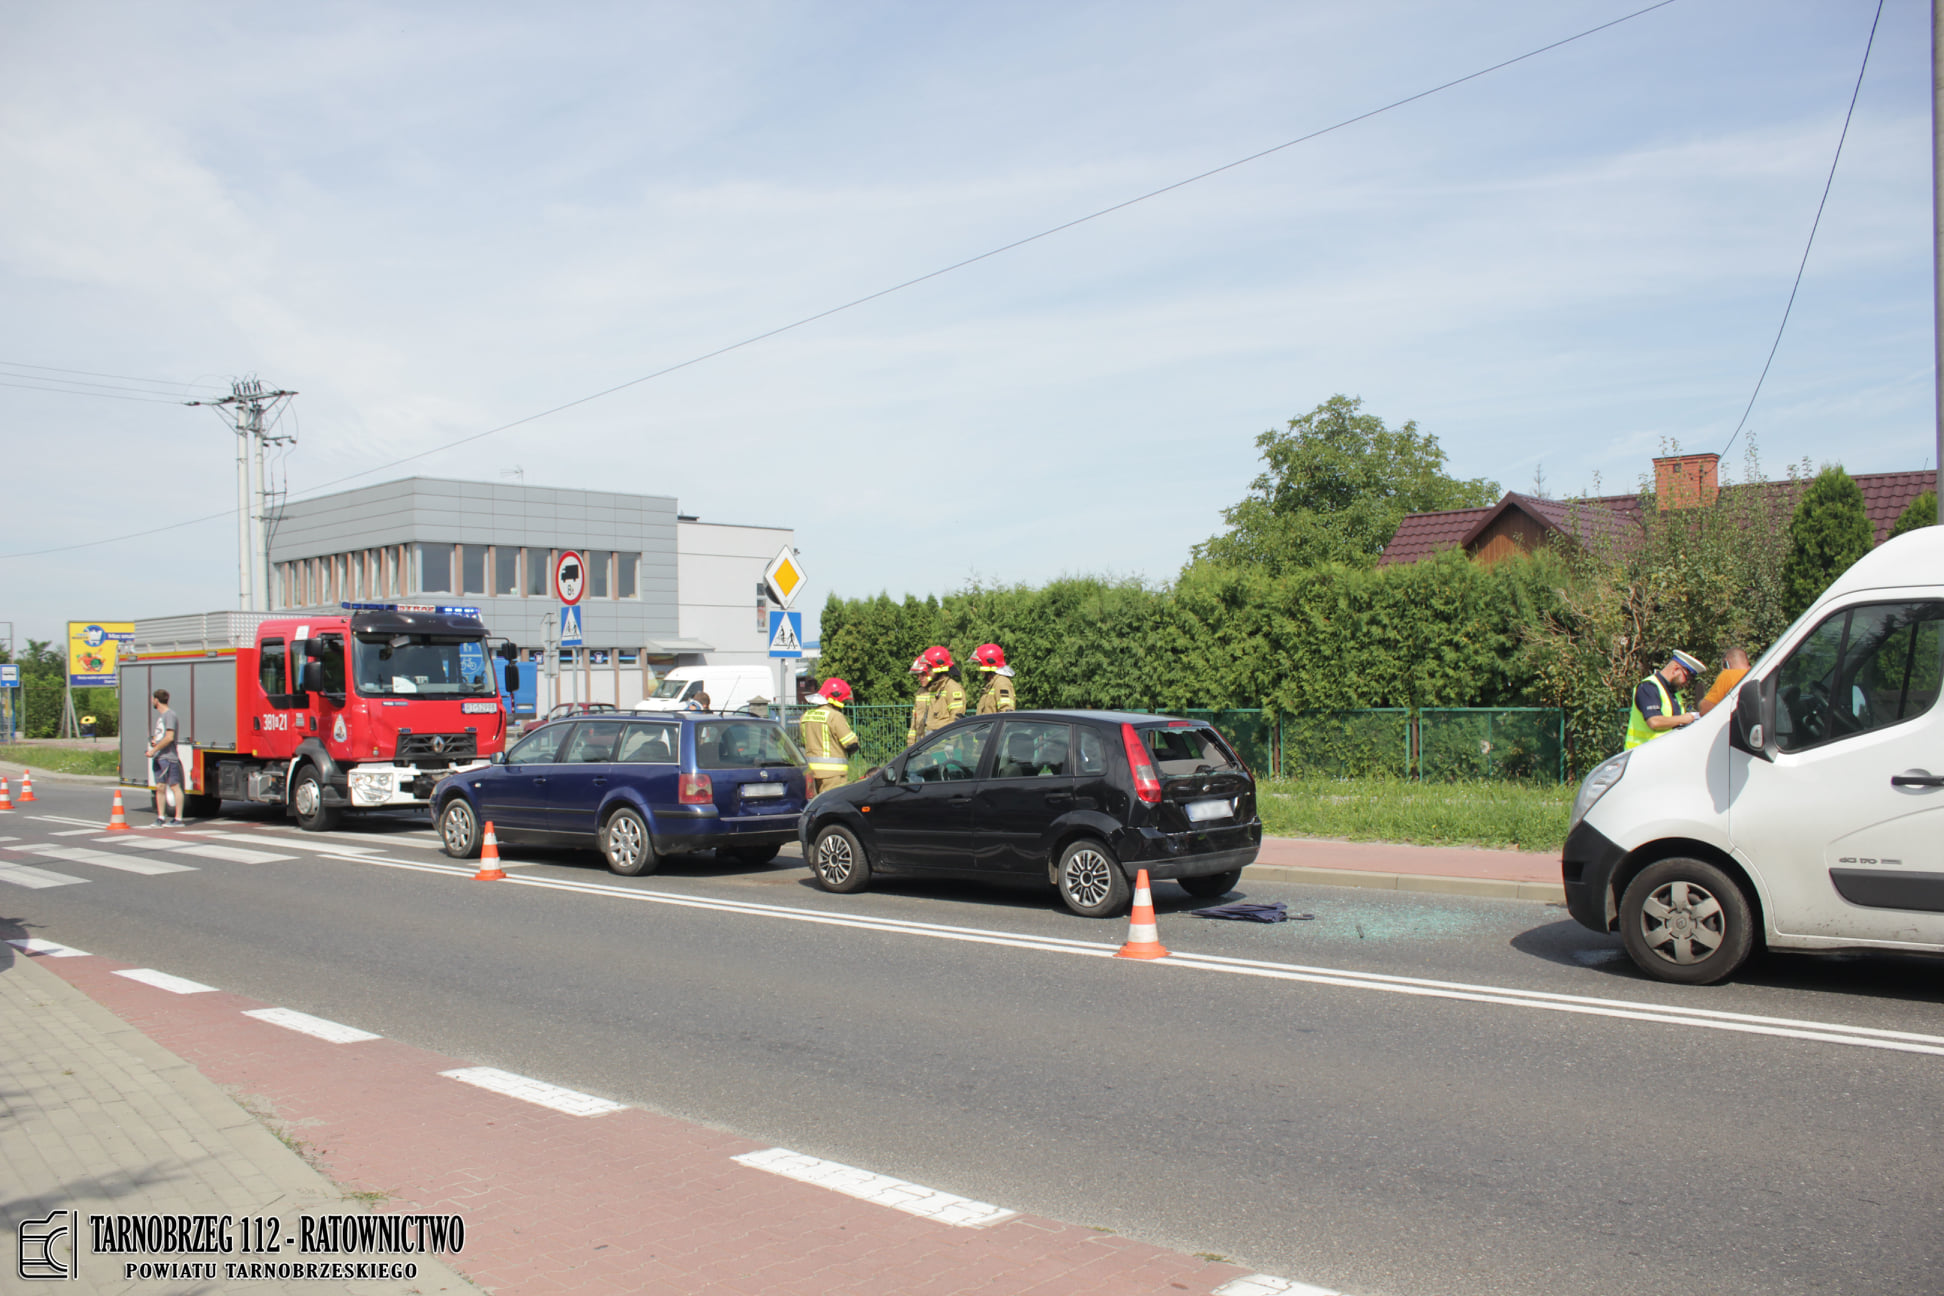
column 1190, row 854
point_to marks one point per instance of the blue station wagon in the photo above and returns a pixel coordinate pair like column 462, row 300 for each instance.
column 635, row 788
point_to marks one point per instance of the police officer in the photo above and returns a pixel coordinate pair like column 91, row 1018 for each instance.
column 947, row 694
column 999, row 694
column 1660, row 703
column 827, row 736
column 921, row 704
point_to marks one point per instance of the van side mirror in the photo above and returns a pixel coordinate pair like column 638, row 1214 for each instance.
column 1752, row 729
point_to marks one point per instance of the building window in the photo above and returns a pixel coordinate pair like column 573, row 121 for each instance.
column 506, row 571
column 597, row 573
column 472, row 569
column 539, row 570
column 627, row 575
column 435, row 569
column 337, row 593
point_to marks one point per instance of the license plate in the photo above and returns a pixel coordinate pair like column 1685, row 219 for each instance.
column 763, row 790
column 1203, row 811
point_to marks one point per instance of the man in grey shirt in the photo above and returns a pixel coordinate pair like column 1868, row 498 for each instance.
column 168, row 765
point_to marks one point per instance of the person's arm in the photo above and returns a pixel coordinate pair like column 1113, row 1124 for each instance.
column 1647, row 698
column 1724, row 685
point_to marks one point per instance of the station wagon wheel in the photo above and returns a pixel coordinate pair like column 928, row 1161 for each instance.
column 1687, row 921
column 459, row 829
column 837, row 861
column 1091, row 881
column 625, row 844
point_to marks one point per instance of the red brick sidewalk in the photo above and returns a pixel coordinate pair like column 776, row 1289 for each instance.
column 1520, row 875
column 627, row 1202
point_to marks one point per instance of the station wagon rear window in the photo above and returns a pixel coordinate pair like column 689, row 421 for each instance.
column 743, row 744
column 1199, row 750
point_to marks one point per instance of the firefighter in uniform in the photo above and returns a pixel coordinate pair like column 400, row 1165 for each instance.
column 921, row 704
column 999, row 694
column 1660, row 703
column 827, row 736
column 947, row 694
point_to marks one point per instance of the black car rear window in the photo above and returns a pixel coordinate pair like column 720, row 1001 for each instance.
column 743, row 744
column 1196, row 750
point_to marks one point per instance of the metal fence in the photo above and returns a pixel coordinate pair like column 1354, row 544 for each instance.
column 37, row 709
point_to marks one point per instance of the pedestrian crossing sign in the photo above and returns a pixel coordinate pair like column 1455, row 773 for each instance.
column 570, row 626
column 786, row 634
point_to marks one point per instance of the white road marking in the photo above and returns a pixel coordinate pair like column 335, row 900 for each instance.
column 234, row 854
column 8, row 839
column 322, row 1028
column 911, row 1198
column 84, row 823
column 75, row 832
column 125, row 863
column 140, row 841
column 28, row 876
column 48, row 948
column 1618, row 1009
column 535, row 1091
column 163, row 981
column 1270, row 1285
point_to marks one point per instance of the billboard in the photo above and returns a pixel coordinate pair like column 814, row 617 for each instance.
column 92, row 649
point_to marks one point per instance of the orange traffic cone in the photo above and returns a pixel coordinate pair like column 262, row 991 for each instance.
column 489, row 869
column 27, row 787
column 117, row 815
column 6, row 801
column 1143, row 941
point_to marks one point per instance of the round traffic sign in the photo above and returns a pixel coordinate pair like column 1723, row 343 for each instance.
column 569, row 576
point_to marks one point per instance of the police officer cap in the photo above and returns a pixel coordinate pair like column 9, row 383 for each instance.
column 1689, row 662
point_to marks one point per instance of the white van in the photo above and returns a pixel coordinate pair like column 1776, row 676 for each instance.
column 1807, row 812
column 730, row 688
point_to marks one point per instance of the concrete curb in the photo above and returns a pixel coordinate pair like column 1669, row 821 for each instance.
column 57, row 776
column 1484, row 888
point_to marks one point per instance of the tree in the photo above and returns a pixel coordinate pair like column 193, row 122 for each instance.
column 1336, row 485
column 1830, row 530
column 1921, row 513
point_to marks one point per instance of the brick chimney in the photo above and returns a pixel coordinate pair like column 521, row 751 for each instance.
column 1683, row 481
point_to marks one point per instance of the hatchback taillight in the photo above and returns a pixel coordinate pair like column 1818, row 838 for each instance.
column 696, row 789
column 809, row 784
column 1146, row 786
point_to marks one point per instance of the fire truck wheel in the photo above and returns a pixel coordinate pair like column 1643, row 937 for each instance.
column 307, row 799
column 197, row 806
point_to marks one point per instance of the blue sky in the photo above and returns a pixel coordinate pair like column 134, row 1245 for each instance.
column 434, row 219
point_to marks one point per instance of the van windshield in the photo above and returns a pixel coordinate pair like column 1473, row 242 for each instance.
column 434, row 665
column 673, row 688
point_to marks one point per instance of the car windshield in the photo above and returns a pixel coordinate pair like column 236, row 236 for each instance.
column 743, row 744
column 440, row 666
column 1188, row 751
column 672, row 688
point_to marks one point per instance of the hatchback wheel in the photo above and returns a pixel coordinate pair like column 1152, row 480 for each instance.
column 1685, row 920
column 1091, row 881
column 837, row 861
column 459, row 829
column 625, row 844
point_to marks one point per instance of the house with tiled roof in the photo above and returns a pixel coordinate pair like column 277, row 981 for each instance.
column 1520, row 524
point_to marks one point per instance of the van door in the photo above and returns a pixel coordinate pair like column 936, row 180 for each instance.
column 1846, row 826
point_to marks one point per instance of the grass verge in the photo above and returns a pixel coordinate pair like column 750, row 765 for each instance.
column 64, row 759
column 1508, row 816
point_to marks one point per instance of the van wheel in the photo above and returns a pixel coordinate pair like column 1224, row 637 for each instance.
column 625, row 844
column 1212, row 886
column 837, row 861
column 1686, row 921
column 459, row 829
column 307, row 799
column 1091, row 881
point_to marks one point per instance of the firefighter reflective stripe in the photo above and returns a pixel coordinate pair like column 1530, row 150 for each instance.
column 920, row 712
column 998, row 696
column 826, row 738
column 947, row 703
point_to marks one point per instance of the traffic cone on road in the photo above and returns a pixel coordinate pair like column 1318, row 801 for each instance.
column 27, row 787
column 489, row 869
column 1143, row 941
column 118, row 815
column 6, row 801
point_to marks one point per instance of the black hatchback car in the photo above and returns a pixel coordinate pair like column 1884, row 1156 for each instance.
column 1080, row 798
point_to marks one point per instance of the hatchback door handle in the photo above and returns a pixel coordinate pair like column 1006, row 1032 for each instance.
column 1917, row 778
column 1059, row 798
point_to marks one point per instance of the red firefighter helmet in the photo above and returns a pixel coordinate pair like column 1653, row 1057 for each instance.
column 989, row 656
column 937, row 658
column 835, row 691
column 918, row 666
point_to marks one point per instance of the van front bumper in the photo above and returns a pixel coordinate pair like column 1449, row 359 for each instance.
column 1586, row 869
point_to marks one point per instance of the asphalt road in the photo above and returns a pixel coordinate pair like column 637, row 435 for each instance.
column 1381, row 1098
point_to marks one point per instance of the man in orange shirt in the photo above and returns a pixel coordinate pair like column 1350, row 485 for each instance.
column 1734, row 665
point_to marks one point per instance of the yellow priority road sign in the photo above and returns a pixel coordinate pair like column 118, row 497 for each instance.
column 784, row 576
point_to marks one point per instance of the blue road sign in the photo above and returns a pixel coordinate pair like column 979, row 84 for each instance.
column 786, row 634
column 570, row 626
column 9, row 677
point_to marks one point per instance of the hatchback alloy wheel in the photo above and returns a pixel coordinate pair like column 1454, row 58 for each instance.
column 1091, row 881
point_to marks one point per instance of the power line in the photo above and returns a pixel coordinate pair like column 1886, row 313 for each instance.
column 1813, row 226
column 105, row 395
column 89, row 373
column 923, row 278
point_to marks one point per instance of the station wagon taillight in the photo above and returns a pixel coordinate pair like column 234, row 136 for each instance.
column 1146, row 786
column 696, row 789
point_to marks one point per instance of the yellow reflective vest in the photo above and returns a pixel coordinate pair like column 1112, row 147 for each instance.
column 1638, row 730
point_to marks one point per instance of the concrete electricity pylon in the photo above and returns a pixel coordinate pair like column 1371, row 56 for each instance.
column 252, row 410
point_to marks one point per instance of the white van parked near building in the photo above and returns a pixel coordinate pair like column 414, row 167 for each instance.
column 730, row 688
column 1808, row 815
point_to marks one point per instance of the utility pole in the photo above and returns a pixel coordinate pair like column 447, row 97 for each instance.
column 1937, row 235
column 250, row 406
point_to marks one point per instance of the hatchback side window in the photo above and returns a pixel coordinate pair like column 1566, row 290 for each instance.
column 1093, row 752
column 1862, row 669
column 1033, row 749
column 648, row 744
column 950, row 757
column 593, row 741
column 538, row 747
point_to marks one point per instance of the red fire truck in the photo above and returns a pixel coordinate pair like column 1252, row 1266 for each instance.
column 366, row 707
